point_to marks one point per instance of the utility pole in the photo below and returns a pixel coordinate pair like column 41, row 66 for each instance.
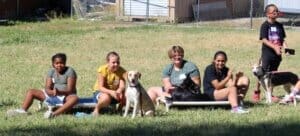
column 147, row 12
column 251, row 14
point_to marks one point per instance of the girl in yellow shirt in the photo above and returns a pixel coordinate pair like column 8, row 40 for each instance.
column 110, row 84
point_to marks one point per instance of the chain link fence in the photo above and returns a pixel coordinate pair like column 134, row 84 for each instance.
column 92, row 9
column 193, row 10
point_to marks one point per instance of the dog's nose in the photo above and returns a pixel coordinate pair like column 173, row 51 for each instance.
column 255, row 73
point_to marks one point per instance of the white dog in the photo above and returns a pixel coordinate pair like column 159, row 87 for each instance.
column 136, row 96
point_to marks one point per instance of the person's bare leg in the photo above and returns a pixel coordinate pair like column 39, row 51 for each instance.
column 30, row 96
column 229, row 93
column 155, row 92
column 103, row 101
column 242, row 86
column 71, row 100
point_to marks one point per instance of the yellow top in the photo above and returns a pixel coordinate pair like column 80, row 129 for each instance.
column 112, row 78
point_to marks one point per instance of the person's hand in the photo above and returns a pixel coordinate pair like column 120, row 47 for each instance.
column 239, row 74
column 277, row 49
column 115, row 95
column 121, row 97
column 52, row 92
column 169, row 89
column 229, row 74
column 55, row 92
column 120, row 94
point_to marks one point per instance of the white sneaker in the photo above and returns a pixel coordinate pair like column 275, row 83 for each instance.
column 16, row 112
column 149, row 113
column 239, row 110
column 48, row 114
column 287, row 99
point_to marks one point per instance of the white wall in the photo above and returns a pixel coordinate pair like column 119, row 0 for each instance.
column 287, row 6
column 139, row 7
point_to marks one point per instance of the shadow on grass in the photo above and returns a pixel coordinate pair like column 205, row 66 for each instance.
column 278, row 128
column 247, row 104
column 7, row 103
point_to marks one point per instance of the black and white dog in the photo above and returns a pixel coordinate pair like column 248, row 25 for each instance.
column 269, row 80
column 137, row 97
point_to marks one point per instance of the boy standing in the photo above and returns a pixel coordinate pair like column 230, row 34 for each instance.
column 272, row 35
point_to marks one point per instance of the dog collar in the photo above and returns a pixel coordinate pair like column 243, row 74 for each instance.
column 133, row 85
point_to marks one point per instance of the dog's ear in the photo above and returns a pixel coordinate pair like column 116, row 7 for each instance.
column 127, row 75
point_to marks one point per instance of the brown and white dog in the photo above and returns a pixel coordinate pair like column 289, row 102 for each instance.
column 137, row 97
column 269, row 80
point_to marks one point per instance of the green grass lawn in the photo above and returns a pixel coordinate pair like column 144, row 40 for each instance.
column 26, row 50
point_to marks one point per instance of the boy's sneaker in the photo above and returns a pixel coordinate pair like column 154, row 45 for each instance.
column 16, row 112
column 256, row 96
column 48, row 114
column 287, row 99
column 82, row 115
column 239, row 110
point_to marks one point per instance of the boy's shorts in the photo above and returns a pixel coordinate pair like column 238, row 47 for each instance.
column 97, row 94
column 54, row 100
column 269, row 65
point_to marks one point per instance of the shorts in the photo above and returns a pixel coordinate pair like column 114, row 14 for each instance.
column 54, row 100
column 269, row 65
column 97, row 94
column 210, row 94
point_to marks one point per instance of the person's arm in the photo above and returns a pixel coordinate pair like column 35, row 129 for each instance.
column 195, row 75
column 101, row 82
column 167, row 85
column 284, row 44
column 221, row 84
column 237, row 77
column 71, row 87
column 166, row 74
column 121, row 87
column 197, row 80
column 120, row 93
column 276, row 48
column 49, row 87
